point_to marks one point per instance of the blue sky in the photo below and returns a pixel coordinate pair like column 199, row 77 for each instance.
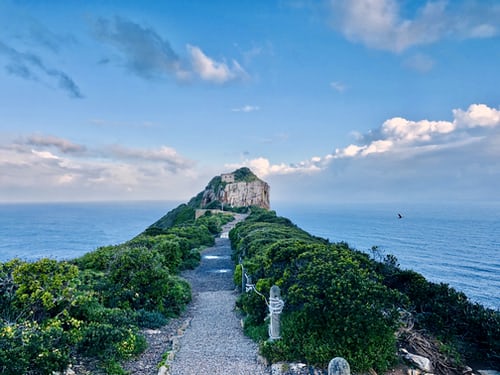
column 340, row 101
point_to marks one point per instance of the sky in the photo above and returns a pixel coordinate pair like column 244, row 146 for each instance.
column 326, row 100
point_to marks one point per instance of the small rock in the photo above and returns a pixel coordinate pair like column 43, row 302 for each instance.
column 422, row 363
column 284, row 368
column 176, row 343
column 152, row 331
column 163, row 370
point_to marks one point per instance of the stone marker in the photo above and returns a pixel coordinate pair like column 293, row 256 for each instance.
column 339, row 366
column 275, row 308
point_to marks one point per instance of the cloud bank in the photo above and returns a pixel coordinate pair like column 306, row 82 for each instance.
column 57, row 168
column 398, row 157
column 399, row 138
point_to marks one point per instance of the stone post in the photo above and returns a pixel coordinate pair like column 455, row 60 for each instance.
column 275, row 309
column 339, row 366
column 243, row 283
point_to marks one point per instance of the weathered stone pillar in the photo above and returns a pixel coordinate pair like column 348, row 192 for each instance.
column 275, row 308
column 243, row 281
column 339, row 366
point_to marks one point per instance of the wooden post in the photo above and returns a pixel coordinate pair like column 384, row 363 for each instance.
column 275, row 308
column 339, row 366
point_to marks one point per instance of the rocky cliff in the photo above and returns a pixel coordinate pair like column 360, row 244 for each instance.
column 229, row 191
column 241, row 188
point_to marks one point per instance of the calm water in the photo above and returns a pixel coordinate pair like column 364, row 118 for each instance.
column 455, row 244
column 68, row 230
column 458, row 245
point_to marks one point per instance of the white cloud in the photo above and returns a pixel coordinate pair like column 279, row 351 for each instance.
column 398, row 137
column 477, row 115
column 400, row 129
column 213, row 71
column 115, row 172
column 338, row 86
column 247, row 108
column 349, row 151
column 380, row 24
column 262, row 167
column 378, row 147
column 44, row 155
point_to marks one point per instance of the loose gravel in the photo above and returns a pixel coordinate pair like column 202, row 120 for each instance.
column 214, row 343
column 208, row 337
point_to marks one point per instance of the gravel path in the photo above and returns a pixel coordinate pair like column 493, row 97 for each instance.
column 214, row 342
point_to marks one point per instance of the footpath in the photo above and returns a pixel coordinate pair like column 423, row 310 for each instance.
column 208, row 338
column 214, row 342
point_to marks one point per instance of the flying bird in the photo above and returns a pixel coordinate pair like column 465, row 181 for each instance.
column 400, row 216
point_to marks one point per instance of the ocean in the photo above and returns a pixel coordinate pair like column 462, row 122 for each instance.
column 454, row 244
column 31, row 231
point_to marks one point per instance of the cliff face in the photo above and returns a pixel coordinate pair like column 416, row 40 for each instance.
column 238, row 189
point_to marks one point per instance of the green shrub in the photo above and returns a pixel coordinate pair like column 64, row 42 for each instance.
column 150, row 319
column 139, row 280
column 107, row 341
column 335, row 304
column 44, row 287
column 237, row 276
column 447, row 313
column 182, row 214
column 30, row 348
column 339, row 302
column 177, row 296
column 98, row 259
column 8, row 312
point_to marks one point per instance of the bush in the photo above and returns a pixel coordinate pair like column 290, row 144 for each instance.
column 44, row 287
column 141, row 281
column 30, row 348
column 109, row 342
column 150, row 319
column 447, row 313
column 335, row 305
column 339, row 302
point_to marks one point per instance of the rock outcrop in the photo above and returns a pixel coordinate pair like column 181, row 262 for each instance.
column 238, row 189
column 229, row 192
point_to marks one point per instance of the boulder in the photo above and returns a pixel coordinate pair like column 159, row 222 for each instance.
column 422, row 363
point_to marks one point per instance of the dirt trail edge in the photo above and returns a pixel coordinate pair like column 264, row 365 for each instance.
column 207, row 338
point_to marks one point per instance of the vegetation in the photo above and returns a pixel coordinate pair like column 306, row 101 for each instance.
column 338, row 301
column 341, row 302
column 52, row 312
column 244, row 174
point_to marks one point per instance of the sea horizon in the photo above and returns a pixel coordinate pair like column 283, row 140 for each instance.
column 427, row 239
